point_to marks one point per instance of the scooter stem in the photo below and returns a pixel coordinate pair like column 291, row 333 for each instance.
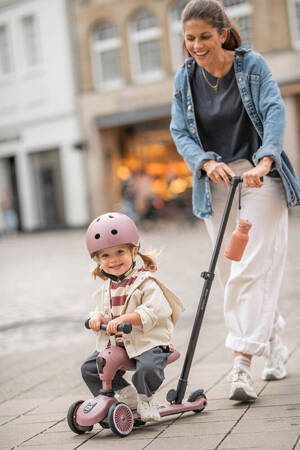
column 209, row 277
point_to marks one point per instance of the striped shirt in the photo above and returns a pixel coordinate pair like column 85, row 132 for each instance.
column 118, row 295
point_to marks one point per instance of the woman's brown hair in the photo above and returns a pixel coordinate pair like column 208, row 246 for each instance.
column 213, row 13
column 148, row 260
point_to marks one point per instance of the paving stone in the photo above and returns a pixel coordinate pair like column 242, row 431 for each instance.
column 267, row 439
column 247, row 425
column 198, row 429
column 182, row 443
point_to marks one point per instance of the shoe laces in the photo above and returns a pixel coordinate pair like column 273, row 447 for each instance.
column 238, row 374
column 276, row 357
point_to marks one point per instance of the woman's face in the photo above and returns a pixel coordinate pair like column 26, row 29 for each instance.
column 116, row 260
column 203, row 42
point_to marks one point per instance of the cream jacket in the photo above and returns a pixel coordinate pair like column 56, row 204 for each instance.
column 158, row 307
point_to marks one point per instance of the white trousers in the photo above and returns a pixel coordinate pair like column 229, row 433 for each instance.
column 252, row 285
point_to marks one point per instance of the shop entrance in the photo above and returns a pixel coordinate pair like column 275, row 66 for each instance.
column 48, row 188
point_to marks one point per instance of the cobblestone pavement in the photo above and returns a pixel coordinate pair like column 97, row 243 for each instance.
column 45, row 291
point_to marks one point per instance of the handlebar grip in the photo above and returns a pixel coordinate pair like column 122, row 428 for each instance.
column 240, row 179
column 125, row 327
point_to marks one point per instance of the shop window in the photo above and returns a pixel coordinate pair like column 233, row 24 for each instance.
column 144, row 37
column 105, row 47
column 152, row 170
column 240, row 12
column 176, row 36
column 5, row 53
column 294, row 12
column 30, row 41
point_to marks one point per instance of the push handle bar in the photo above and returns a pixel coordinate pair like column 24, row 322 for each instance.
column 124, row 327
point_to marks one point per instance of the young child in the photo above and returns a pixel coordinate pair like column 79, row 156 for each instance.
column 130, row 294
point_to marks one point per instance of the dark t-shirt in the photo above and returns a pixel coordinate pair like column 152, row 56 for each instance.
column 223, row 124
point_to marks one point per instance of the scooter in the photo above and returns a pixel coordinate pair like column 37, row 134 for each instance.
column 105, row 408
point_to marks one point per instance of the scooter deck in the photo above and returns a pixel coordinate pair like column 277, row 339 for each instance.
column 167, row 409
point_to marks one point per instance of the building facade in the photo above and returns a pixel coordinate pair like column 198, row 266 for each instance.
column 42, row 174
column 127, row 55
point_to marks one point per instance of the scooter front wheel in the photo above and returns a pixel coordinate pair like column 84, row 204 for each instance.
column 120, row 419
column 194, row 396
column 71, row 417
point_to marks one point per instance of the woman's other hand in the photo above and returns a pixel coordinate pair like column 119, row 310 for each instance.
column 251, row 178
column 96, row 320
column 218, row 171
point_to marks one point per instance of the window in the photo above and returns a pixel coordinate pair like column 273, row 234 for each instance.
column 176, row 38
column 240, row 12
column 144, row 35
column 5, row 54
column 294, row 12
column 30, row 41
column 106, row 56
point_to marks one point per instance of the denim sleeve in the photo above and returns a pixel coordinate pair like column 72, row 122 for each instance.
column 272, row 114
column 191, row 151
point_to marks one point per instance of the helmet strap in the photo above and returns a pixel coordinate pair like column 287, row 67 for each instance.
column 121, row 277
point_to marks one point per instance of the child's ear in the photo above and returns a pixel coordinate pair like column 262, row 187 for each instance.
column 135, row 252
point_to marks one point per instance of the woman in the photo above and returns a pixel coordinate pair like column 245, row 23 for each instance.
column 228, row 119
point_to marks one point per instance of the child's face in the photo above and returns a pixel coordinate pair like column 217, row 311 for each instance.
column 116, row 260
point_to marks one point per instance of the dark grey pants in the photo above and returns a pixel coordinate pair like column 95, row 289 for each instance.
column 147, row 378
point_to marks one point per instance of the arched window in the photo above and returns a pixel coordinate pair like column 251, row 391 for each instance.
column 240, row 12
column 105, row 47
column 294, row 13
column 175, row 30
column 144, row 36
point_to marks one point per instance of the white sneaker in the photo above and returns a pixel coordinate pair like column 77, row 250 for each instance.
column 275, row 364
column 127, row 395
column 241, row 388
column 148, row 411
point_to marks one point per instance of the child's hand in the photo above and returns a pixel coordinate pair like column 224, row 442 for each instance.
column 96, row 320
column 112, row 326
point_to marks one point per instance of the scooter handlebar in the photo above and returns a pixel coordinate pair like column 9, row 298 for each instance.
column 125, row 327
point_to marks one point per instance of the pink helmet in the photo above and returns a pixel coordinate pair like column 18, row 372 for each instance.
column 109, row 230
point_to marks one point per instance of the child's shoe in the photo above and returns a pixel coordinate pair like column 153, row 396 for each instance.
column 147, row 410
column 241, row 388
column 275, row 364
column 127, row 395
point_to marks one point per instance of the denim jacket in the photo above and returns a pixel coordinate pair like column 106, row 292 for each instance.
column 262, row 100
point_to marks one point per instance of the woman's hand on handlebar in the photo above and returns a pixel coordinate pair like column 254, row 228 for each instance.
column 218, row 171
column 96, row 320
column 252, row 178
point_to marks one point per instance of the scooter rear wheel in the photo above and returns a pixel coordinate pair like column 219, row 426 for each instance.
column 193, row 397
column 71, row 417
column 120, row 419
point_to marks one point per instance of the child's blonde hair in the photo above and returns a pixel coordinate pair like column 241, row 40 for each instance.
column 148, row 260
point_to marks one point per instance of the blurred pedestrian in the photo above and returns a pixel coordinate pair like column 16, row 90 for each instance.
column 228, row 119
column 143, row 193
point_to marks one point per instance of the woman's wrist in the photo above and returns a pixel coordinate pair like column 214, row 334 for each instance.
column 266, row 161
column 206, row 165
